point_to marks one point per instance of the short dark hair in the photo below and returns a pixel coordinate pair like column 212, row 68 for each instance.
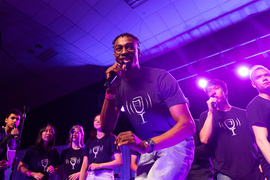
column 14, row 111
column 212, row 82
column 128, row 35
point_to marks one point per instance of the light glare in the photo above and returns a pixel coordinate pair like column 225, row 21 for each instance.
column 202, row 83
column 243, row 71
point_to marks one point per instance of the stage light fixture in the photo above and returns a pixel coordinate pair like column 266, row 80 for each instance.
column 202, row 83
column 243, row 71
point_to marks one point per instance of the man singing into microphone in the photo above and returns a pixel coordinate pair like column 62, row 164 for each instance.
column 7, row 140
column 225, row 129
column 157, row 109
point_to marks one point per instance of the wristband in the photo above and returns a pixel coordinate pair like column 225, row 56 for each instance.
column 110, row 96
column 28, row 173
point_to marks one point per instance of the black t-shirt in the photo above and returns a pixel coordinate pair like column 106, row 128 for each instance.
column 100, row 150
column 38, row 161
column 147, row 100
column 72, row 160
column 258, row 114
column 233, row 148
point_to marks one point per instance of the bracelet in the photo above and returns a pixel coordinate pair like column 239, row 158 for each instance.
column 110, row 96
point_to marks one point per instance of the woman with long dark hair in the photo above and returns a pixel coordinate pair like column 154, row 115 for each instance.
column 43, row 158
column 101, row 155
column 72, row 157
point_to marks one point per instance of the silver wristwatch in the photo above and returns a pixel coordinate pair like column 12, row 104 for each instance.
column 150, row 143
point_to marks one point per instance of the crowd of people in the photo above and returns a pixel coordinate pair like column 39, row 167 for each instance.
column 225, row 143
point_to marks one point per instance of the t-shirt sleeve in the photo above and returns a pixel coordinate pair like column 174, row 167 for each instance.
column 257, row 114
column 27, row 155
column 113, row 145
column 202, row 119
column 62, row 157
column 56, row 157
column 86, row 148
column 171, row 90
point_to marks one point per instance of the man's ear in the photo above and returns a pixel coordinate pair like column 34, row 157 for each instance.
column 252, row 83
column 139, row 52
column 6, row 120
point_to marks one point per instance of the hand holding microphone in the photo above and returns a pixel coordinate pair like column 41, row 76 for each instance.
column 15, row 132
column 114, row 72
column 212, row 102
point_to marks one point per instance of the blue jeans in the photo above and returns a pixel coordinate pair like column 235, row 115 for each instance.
column 100, row 175
column 222, row 177
column 171, row 163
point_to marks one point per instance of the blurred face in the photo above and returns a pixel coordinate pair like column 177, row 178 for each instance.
column 48, row 134
column 261, row 80
column 77, row 135
column 217, row 92
column 126, row 51
column 97, row 123
column 12, row 121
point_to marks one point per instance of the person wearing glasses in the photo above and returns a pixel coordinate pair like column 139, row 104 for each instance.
column 157, row 109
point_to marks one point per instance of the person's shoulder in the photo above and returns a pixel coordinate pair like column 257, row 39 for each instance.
column 2, row 130
column 204, row 113
column 238, row 109
column 55, row 150
column 257, row 101
column 154, row 70
column 65, row 151
column 112, row 136
column 31, row 149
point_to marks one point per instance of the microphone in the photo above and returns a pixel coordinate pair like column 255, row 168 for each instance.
column 72, row 130
column 213, row 104
column 16, row 135
column 111, row 79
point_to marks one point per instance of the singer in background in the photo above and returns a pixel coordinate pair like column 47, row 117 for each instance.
column 7, row 138
column 225, row 130
column 101, row 155
column 157, row 109
column 43, row 158
column 72, row 158
column 258, row 114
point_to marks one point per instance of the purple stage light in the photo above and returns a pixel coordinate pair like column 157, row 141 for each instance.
column 243, row 71
column 202, row 83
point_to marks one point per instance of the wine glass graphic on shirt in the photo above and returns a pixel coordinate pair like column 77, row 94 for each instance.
column 44, row 163
column 230, row 124
column 138, row 105
column 96, row 149
column 73, row 161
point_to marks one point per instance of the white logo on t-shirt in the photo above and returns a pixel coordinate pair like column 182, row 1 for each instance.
column 44, row 163
column 230, row 124
column 73, row 161
column 138, row 106
column 95, row 150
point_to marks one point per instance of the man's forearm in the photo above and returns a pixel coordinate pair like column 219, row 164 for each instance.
column 264, row 146
column 206, row 132
column 175, row 135
column 108, row 116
